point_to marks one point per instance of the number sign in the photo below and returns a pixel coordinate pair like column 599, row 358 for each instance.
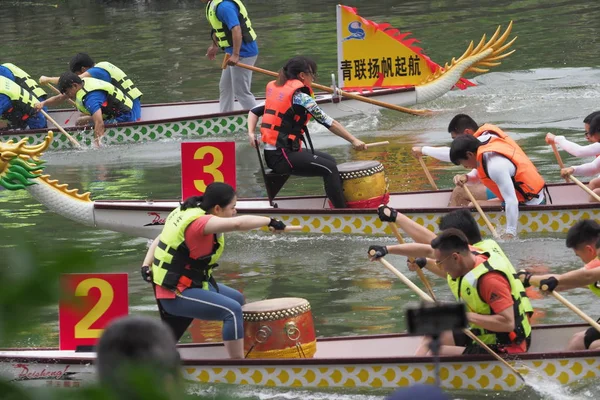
column 203, row 163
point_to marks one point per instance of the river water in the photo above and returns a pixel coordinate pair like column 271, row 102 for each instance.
column 549, row 84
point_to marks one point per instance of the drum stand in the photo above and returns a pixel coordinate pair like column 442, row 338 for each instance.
column 273, row 182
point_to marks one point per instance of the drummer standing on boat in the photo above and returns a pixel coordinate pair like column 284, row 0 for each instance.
column 584, row 239
column 232, row 31
column 18, row 95
column 502, row 166
column 288, row 107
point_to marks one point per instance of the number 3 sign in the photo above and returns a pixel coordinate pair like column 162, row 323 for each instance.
column 203, row 163
column 88, row 303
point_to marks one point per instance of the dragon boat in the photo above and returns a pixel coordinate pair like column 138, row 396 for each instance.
column 350, row 363
column 191, row 120
column 22, row 168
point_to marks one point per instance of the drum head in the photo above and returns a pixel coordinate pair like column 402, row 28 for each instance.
column 354, row 166
column 283, row 303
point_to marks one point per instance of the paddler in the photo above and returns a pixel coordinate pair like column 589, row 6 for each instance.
column 493, row 295
column 101, row 100
column 17, row 110
column 84, row 66
column 584, row 239
column 504, row 168
column 288, row 107
column 588, row 169
column 181, row 260
column 462, row 124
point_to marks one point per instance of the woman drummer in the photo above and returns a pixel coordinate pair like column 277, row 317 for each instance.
column 183, row 257
column 288, row 107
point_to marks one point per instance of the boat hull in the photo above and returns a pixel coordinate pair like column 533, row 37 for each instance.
column 145, row 219
column 191, row 120
column 361, row 362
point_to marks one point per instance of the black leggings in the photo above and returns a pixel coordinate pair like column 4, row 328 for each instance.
column 305, row 163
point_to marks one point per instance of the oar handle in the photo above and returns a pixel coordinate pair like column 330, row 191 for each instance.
column 558, row 158
column 478, row 207
column 369, row 145
column 425, row 297
column 60, row 128
column 293, row 228
column 420, row 273
column 576, row 310
column 427, row 173
column 330, row 90
column 584, row 187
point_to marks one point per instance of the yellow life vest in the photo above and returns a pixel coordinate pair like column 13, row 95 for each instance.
column 594, row 287
column 120, row 80
column 495, row 251
column 23, row 103
column 24, row 80
column 222, row 33
column 172, row 255
column 466, row 289
column 116, row 103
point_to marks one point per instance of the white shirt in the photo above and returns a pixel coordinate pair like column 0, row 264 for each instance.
column 501, row 170
column 591, row 150
column 443, row 153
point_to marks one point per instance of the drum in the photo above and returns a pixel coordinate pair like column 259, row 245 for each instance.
column 279, row 328
column 364, row 183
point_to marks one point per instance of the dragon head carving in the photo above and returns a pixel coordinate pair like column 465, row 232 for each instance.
column 20, row 162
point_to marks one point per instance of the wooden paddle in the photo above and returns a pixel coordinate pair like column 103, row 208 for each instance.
column 478, row 207
column 427, row 173
column 558, row 158
column 420, row 272
column 374, row 144
column 60, row 128
column 330, row 90
column 293, row 228
column 584, row 187
column 573, row 308
column 467, row 332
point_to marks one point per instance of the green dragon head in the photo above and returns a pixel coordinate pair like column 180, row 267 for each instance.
column 20, row 163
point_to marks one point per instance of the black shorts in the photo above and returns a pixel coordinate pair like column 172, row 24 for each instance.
column 591, row 335
column 461, row 339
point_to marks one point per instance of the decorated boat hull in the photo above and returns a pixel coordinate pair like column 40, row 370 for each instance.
column 146, row 218
column 361, row 362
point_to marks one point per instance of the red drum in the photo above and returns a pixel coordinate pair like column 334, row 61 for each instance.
column 279, row 328
column 365, row 184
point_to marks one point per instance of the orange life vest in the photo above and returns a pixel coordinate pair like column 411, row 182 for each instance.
column 281, row 125
column 489, row 128
column 527, row 180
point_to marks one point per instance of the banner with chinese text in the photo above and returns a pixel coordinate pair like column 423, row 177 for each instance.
column 378, row 55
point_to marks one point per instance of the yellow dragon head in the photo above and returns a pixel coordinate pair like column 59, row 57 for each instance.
column 20, row 162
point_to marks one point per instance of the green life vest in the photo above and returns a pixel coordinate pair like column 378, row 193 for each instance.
column 594, row 287
column 24, row 80
column 120, row 80
column 222, row 33
column 495, row 251
column 172, row 255
column 23, row 103
column 116, row 103
column 466, row 288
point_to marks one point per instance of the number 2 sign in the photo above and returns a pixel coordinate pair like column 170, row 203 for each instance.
column 203, row 163
column 88, row 303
